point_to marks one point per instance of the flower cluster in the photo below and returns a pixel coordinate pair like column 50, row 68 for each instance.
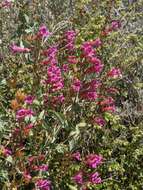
column 43, row 184
column 6, row 3
column 75, row 76
column 54, row 79
column 82, row 178
column 69, row 38
column 22, row 113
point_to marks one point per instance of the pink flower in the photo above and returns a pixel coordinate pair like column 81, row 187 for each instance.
column 43, row 184
column 30, row 126
column 96, row 42
column 43, row 167
column 6, row 3
column 55, row 78
column 115, row 24
column 43, row 31
column 107, row 101
column 72, row 60
column 76, row 85
column 51, row 52
column 93, row 160
column 114, row 73
column 7, row 152
column 76, row 156
column 99, row 121
column 31, row 159
column 94, row 69
column 89, row 95
column 109, row 108
column 27, row 176
column 95, row 179
column 88, row 50
column 65, row 68
column 56, row 100
column 45, row 62
column 92, row 85
column 78, row 178
column 22, row 113
column 17, row 49
column 95, row 61
column 70, row 36
column 29, row 99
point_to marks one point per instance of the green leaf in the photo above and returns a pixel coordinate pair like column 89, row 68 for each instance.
column 26, row 18
column 71, row 187
column 41, row 115
column 9, row 159
column 60, row 118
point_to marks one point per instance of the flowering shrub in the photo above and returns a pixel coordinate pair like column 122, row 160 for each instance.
column 61, row 110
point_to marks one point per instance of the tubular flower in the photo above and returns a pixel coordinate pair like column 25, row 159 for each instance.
column 17, row 49
column 114, row 73
column 76, row 85
column 43, row 184
column 43, row 31
column 78, row 178
column 76, row 156
column 93, row 160
column 99, row 121
column 22, row 113
column 95, row 179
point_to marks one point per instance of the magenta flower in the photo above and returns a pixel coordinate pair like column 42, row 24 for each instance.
column 92, row 85
column 6, row 3
column 96, row 42
column 27, row 176
column 99, row 121
column 109, row 108
column 95, row 61
column 76, row 85
column 55, row 78
column 58, row 99
column 22, row 113
column 65, row 68
column 43, row 184
column 72, row 60
column 70, row 36
column 30, row 126
column 107, row 101
column 93, row 160
column 43, row 167
column 88, row 50
column 114, row 73
column 17, row 49
column 95, row 179
column 29, row 99
column 115, row 24
column 89, row 95
column 7, row 152
column 78, row 178
column 76, row 156
column 94, row 69
column 43, row 31
column 51, row 52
